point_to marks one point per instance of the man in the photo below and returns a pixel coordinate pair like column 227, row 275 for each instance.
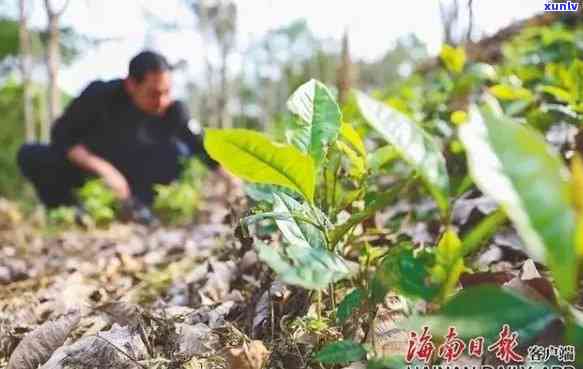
column 128, row 132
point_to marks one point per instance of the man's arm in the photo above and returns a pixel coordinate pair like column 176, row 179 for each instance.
column 70, row 130
column 85, row 159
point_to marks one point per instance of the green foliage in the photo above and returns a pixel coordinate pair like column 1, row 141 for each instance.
column 515, row 166
column 482, row 311
column 349, row 304
column 413, row 144
column 405, row 271
column 319, row 119
column 454, row 58
column 177, row 202
column 341, row 352
column 63, row 216
column 449, row 263
column 305, row 266
column 496, row 150
column 9, row 38
column 98, row 201
column 252, row 156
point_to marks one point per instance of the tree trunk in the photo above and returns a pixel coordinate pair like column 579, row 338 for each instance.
column 53, row 63
column 344, row 77
column 223, row 98
column 470, row 21
column 26, row 70
column 53, row 60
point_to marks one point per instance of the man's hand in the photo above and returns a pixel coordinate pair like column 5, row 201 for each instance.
column 85, row 159
column 116, row 181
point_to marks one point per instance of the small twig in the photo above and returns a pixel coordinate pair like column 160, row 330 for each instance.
column 121, row 351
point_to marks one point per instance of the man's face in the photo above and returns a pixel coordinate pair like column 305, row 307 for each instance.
column 152, row 95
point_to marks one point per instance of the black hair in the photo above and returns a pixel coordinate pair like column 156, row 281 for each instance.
column 147, row 61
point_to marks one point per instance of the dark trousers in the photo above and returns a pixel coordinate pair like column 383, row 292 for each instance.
column 54, row 177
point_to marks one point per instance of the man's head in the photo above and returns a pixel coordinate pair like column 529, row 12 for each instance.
column 149, row 82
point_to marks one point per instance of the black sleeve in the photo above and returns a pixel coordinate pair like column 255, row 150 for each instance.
column 71, row 128
column 180, row 116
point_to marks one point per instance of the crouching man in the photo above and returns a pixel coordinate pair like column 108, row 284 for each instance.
column 129, row 132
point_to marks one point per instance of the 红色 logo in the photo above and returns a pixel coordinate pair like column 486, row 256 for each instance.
column 567, row 6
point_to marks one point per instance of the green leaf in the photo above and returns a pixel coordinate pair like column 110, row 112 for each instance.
column 405, row 272
column 350, row 135
column 253, row 157
column 482, row 311
column 515, row 166
column 308, row 267
column 483, row 231
column 454, row 58
column 558, row 93
column 449, row 263
column 319, row 121
column 341, row 352
column 510, row 93
column 413, row 144
column 295, row 231
column 264, row 192
column 357, row 167
column 351, row 302
column 381, row 157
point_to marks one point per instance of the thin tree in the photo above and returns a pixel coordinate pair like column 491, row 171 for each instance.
column 345, row 75
column 53, row 60
column 470, row 21
column 26, row 69
column 449, row 19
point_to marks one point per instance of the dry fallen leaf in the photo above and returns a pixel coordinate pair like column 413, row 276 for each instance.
column 117, row 348
column 38, row 346
column 252, row 356
column 122, row 313
column 194, row 340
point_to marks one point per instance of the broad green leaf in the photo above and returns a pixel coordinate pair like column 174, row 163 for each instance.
column 515, row 166
column 381, row 157
column 253, row 157
column 350, row 135
column 351, row 302
column 449, row 263
column 295, row 231
column 319, row 121
column 412, row 143
column 454, row 58
column 482, row 311
column 558, row 93
column 510, row 93
column 405, row 272
column 341, row 352
column 304, row 266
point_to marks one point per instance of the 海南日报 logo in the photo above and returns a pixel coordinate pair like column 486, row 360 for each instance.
column 568, row 6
